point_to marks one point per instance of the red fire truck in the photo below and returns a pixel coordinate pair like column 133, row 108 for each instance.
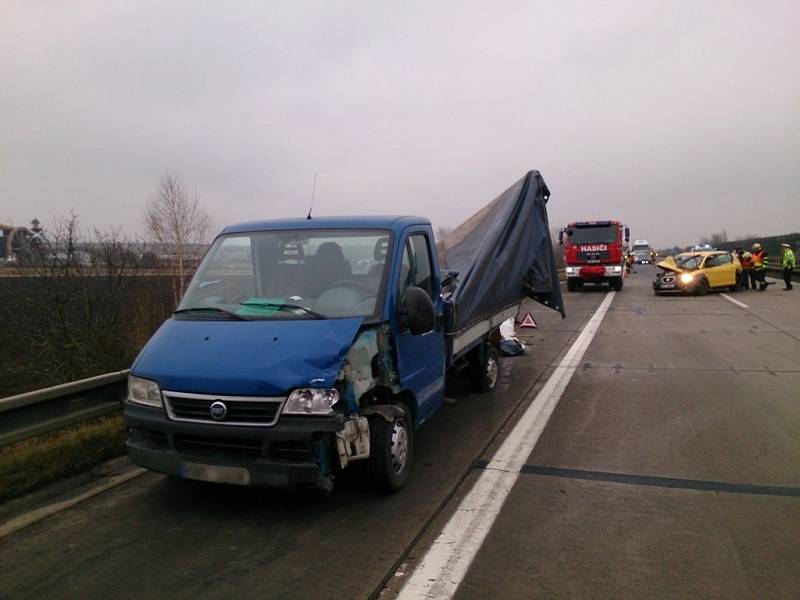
column 594, row 253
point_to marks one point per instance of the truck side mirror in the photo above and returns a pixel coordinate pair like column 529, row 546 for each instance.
column 627, row 234
column 417, row 311
column 560, row 237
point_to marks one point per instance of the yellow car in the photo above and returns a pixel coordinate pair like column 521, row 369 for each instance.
column 698, row 272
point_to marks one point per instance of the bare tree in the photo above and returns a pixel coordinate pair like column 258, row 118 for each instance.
column 178, row 223
column 77, row 306
column 719, row 238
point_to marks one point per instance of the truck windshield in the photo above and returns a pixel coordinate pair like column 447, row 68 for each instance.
column 300, row 274
column 639, row 248
column 602, row 234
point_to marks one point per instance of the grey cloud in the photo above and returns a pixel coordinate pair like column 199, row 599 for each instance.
column 678, row 119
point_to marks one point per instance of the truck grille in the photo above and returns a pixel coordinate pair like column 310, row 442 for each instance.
column 216, row 447
column 240, row 410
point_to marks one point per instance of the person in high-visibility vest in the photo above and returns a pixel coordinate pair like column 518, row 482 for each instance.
column 788, row 264
column 760, row 264
column 748, row 276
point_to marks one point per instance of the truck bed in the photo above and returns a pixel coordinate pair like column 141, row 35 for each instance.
column 461, row 342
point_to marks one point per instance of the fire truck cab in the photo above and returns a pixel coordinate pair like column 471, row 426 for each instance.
column 594, row 253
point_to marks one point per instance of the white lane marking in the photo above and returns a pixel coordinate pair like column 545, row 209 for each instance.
column 37, row 515
column 736, row 302
column 444, row 566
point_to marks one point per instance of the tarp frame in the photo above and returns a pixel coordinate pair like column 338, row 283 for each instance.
column 502, row 254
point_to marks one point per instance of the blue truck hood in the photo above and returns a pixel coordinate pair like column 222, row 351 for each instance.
column 246, row 358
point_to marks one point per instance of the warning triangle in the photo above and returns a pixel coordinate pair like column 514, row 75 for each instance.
column 528, row 321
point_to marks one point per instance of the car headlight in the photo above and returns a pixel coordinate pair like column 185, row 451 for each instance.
column 687, row 278
column 311, row 402
column 144, row 391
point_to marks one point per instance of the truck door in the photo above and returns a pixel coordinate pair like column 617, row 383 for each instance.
column 420, row 357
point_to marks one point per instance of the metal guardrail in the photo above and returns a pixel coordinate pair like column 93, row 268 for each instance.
column 777, row 273
column 49, row 409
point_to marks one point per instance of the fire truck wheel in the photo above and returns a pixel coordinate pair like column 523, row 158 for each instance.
column 572, row 285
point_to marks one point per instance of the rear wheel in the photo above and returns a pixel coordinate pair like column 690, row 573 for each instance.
column 484, row 369
column 391, row 451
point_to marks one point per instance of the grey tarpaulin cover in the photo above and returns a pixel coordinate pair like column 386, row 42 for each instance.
column 503, row 253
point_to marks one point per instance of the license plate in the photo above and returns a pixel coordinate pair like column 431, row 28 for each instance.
column 215, row 473
column 667, row 285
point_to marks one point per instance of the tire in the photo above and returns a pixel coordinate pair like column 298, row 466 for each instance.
column 484, row 369
column 738, row 285
column 702, row 288
column 617, row 284
column 572, row 285
column 391, row 451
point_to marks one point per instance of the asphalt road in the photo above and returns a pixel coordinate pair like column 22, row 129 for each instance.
column 643, row 484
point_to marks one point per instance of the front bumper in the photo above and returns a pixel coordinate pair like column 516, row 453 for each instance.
column 675, row 285
column 283, row 455
column 592, row 273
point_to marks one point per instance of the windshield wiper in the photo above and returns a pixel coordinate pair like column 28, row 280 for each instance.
column 212, row 309
column 285, row 306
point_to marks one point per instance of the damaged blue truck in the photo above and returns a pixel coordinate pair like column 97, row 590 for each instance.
column 302, row 346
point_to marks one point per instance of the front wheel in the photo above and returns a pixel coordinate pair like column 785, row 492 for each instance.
column 391, row 451
column 484, row 369
column 702, row 288
column 572, row 285
column 617, row 284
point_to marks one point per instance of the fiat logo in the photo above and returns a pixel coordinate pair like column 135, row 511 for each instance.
column 218, row 410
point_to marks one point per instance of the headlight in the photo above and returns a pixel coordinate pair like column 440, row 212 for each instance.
column 311, row 402
column 144, row 391
column 687, row 278
column 571, row 270
column 617, row 269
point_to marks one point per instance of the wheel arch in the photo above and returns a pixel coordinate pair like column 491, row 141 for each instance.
column 385, row 395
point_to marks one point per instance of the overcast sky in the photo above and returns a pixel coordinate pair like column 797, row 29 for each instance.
column 678, row 118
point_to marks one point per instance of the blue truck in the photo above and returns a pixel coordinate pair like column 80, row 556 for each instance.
column 304, row 345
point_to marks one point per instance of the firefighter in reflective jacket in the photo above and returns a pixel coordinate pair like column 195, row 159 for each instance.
column 760, row 264
column 748, row 275
column 788, row 265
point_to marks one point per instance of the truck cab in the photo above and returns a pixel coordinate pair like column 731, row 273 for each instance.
column 594, row 253
column 642, row 252
column 300, row 347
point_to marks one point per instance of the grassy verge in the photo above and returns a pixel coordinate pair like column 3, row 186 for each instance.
column 33, row 463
